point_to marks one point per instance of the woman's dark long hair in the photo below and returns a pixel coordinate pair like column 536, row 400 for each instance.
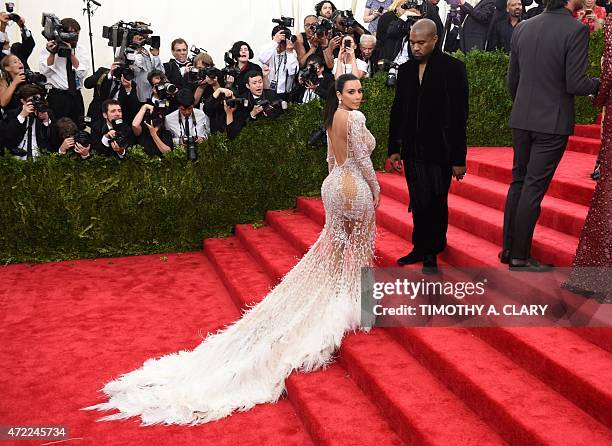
column 331, row 104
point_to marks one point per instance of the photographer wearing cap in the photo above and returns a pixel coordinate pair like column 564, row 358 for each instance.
column 65, row 63
column 155, row 138
column 114, row 83
column 187, row 122
column 314, row 81
column 73, row 139
column 280, row 56
column 145, row 61
column 29, row 128
column 23, row 50
column 111, row 136
column 176, row 68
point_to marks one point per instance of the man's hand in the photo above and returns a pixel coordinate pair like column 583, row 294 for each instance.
column 51, row 46
column 396, row 162
column 199, row 140
column 19, row 79
column 82, row 150
column 459, row 172
column 290, row 46
column 310, row 86
column 279, row 36
column 335, row 42
column 229, row 110
column 113, row 67
column 154, row 51
column 66, row 145
column 26, row 109
column 127, row 84
column 117, row 148
column 256, row 110
column 265, row 69
column 111, row 134
column 152, row 130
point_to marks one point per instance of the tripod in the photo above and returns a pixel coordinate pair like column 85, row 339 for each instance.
column 87, row 10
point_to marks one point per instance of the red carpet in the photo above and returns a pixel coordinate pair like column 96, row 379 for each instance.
column 69, row 327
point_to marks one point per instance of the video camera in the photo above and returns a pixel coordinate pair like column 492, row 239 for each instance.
column 54, row 31
column 156, row 117
column 121, row 34
column 10, row 8
column 286, row 22
column 270, row 107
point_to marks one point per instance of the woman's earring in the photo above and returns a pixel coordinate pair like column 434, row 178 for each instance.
column 340, row 101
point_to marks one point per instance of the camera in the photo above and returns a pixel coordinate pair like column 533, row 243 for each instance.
column 318, row 136
column 125, row 70
column 156, row 117
column 32, row 77
column 10, row 8
column 346, row 19
column 40, row 103
column 194, row 50
column 231, row 66
column 196, row 75
column 82, row 136
column 391, row 67
column 237, row 102
column 121, row 34
column 286, row 22
column 120, row 129
column 192, row 147
column 271, row 106
column 165, row 89
column 309, row 74
column 54, row 31
column 322, row 28
column 381, row 9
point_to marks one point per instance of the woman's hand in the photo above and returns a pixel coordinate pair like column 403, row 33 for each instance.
column 376, row 196
column 66, row 145
column 152, row 130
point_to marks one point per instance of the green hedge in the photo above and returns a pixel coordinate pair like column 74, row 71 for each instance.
column 59, row 208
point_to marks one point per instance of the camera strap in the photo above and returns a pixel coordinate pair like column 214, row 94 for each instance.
column 184, row 124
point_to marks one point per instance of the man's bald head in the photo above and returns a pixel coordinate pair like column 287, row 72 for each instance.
column 423, row 39
column 426, row 27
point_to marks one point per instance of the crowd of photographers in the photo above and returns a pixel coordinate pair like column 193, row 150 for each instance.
column 140, row 100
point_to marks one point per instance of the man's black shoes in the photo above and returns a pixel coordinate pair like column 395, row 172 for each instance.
column 504, row 256
column 430, row 264
column 410, row 259
column 530, row 265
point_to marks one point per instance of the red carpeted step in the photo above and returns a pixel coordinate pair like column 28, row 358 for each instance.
column 572, row 181
column 269, row 249
column 421, row 408
column 575, row 368
column 524, row 410
column 588, row 131
column 557, row 214
column 584, row 145
column 329, row 401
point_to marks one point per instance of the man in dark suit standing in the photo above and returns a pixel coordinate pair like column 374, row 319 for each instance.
column 175, row 68
column 428, row 131
column 547, row 68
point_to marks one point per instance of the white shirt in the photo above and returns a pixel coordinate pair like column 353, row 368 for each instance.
column 56, row 73
column 24, row 142
column 175, row 122
column 283, row 66
column 404, row 55
column 348, row 68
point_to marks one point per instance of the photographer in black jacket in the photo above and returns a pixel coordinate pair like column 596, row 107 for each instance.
column 175, row 68
column 155, row 138
column 314, row 82
column 111, row 136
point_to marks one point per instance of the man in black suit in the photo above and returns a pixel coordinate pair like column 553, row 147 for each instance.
column 29, row 128
column 175, row 68
column 547, row 68
column 427, row 130
column 106, row 86
column 475, row 28
column 111, row 136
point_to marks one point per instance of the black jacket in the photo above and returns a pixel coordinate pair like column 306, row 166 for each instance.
column 475, row 29
column 102, row 87
column 173, row 74
column 46, row 136
column 99, row 129
column 325, row 84
column 240, row 80
column 243, row 114
column 23, row 50
column 429, row 119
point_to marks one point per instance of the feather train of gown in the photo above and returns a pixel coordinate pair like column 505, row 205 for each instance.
column 297, row 326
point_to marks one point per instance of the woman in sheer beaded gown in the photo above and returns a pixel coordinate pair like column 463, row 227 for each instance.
column 299, row 324
column 592, row 268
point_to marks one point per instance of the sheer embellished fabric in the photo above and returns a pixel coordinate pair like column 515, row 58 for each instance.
column 297, row 326
column 592, row 269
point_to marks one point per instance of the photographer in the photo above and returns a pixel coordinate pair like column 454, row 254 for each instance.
column 28, row 128
column 162, row 91
column 261, row 103
column 68, row 133
column 111, row 136
column 187, row 122
column 176, row 68
column 145, row 61
column 280, row 56
column 345, row 24
column 314, row 81
column 347, row 61
column 214, row 107
column 475, row 29
column 114, row 83
column 13, row 76
column 65, row 63
column 206, row 86
column 156, row 140
column 369, row 53
column 313, row 41
column 23, row 50
column 242, row 53
column 501, row 34
column 372, row 12
column 325, row 9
